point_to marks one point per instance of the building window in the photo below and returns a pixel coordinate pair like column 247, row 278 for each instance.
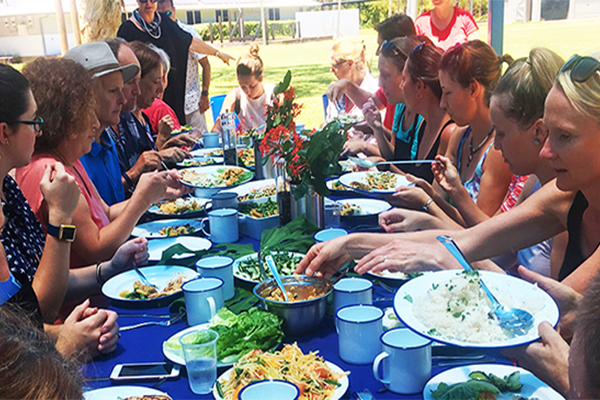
column 274, row 14
column 190, row 17
column 197, row 17
column 222, row 13
column 193, row 17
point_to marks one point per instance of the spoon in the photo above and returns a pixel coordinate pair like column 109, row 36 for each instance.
column 273, row 268
column 513, row 319
column 368, row 164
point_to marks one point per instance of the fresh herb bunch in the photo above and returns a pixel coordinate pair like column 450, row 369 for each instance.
column 311, row 156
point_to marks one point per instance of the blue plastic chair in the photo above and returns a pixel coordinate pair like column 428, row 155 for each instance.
column 216, row 103
column 325, row 104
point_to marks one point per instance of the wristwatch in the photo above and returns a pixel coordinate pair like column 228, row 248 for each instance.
column 204, row 93
column 62, row 232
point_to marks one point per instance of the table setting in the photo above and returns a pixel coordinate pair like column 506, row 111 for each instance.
column 219, row 308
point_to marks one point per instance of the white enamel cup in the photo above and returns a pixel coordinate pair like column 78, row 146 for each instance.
column 352, row 291
column 203, row 298
column 218, row 267
column 359, row 328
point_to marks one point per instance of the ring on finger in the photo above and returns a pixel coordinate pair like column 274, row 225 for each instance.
column 384, row 259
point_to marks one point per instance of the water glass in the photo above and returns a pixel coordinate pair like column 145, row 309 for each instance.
column 333, row 210
column 200, row 354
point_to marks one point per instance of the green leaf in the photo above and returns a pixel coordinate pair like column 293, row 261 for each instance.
column 283, row 85
column 296, row 236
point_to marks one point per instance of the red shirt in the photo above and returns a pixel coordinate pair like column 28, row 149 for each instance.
column 458, row 30
column 156, row 111
column 388, row 121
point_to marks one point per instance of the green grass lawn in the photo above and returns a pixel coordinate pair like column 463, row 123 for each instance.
column 309, row 62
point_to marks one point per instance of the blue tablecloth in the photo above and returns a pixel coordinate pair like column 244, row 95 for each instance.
column 144, row 345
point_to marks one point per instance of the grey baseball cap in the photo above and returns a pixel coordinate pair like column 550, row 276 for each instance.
column 97, row 58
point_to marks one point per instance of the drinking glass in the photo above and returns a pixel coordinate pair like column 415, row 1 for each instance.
column 200, row 353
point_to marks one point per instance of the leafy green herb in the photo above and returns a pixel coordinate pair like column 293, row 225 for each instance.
column 479, row 383
column 408, row 298
column 434, row 286
column 220, row 389
column 332, row 382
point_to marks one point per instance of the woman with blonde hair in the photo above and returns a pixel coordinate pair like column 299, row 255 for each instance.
column 348, row 61
column 249, row 100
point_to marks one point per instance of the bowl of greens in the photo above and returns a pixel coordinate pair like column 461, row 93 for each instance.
column 246, row 268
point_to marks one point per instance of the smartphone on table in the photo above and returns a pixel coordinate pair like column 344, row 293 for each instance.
column 144, row 371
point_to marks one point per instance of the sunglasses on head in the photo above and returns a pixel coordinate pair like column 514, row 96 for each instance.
column 389, row 48
column 418, row 48
column 582, row 68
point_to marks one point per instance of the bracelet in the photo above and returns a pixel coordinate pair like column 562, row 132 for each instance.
column 216, row 53
column 426, row 206
column 127, row 179
column 99, row 273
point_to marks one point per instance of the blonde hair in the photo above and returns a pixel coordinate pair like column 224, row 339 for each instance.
column 584, row 96
column 250, row 64
column 350, row 49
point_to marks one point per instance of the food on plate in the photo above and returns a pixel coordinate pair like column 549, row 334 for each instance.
column 397, row 274
column 309, row 372
column 260, row 210
column 376, row 181
column 286, row 265
column 147, row 397
column 143, row 292
column 222, row 177
column 170, row 231
column 254, row 194
column 459, row 309
column 179, row 206
column 349, row 209
column 479, row 386
column 216, row 153
column 298, row 292
column 239, row 334
column 198, row 162
column 246, row 157
column 336, row 185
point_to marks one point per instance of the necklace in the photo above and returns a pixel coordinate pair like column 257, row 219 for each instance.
column 479, row 146
column 151, row 28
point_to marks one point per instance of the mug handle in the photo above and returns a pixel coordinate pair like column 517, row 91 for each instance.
column 380, row 357
column 212, row 306
column 202, row 226
column 241, row 218
column 206, row 205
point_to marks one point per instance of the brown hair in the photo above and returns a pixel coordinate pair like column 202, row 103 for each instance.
column 398, row 25
column 588, row 329
column 424, row 63
column 31, row 366
column 523, row 88
column 250, row 64
column 148, row 58
column 64, row 92
column 474, row 61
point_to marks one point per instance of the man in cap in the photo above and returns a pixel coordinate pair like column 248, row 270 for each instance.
column 102, row 162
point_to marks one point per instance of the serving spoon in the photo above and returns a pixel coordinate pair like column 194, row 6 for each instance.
column 368, row 164
column 273, row 268
column 514, row 319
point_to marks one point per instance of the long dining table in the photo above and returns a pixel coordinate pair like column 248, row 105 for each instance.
column 144, row 345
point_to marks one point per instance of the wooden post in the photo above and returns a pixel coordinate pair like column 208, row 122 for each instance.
column 231, row 29
column 210, row 28
column 242, row 30
column 219, row 20
column 62, row 27
column 293, row 26
column 75, row 22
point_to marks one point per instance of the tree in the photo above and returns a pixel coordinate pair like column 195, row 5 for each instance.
column 99, row 19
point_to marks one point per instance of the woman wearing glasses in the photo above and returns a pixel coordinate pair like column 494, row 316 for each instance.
column 34, row 266
column 148, row 26
column 569, row 203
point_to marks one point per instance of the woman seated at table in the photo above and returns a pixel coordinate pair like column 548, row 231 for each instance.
column 430, row 130
column 571, row 118
column 516, row 109
column 249, row 100
column 67, row 135
column 468, row 75
column 40, row 263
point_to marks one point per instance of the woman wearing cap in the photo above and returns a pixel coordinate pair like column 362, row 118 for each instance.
column 148, row 26
column 569, row 203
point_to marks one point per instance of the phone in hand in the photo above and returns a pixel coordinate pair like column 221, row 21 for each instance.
column 144, row 371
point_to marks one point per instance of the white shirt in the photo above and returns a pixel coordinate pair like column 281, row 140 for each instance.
column 193, row 88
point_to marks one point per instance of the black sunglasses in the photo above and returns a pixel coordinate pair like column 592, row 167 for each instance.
column 389, row 48
column 36, row 123
column 145, row 1
column 418, row 48
column 582, row 68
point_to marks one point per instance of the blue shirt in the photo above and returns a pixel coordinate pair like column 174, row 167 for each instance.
column 131, row 141
column 102, row 166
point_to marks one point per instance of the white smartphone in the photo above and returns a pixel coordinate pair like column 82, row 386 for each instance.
column 144, row 371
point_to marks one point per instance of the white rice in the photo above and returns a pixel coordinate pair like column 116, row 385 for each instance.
column 458, row 309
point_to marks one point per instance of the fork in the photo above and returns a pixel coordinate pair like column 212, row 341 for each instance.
column 149, row 323
column 145, row 280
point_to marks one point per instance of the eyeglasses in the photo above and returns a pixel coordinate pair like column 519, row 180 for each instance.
column 145, row 1
column 582, row 68
column 36, row 123
column 389, row 48
column 338, row 64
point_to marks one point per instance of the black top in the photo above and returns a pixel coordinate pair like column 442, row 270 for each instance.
column 176, row 43
column 422, row 171
column 133, row 139
column 27, row 301
column 574, row 256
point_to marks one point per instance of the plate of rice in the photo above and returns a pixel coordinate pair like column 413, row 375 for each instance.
column 450, row 307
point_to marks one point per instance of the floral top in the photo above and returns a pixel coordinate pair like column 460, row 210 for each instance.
column 22, row 236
